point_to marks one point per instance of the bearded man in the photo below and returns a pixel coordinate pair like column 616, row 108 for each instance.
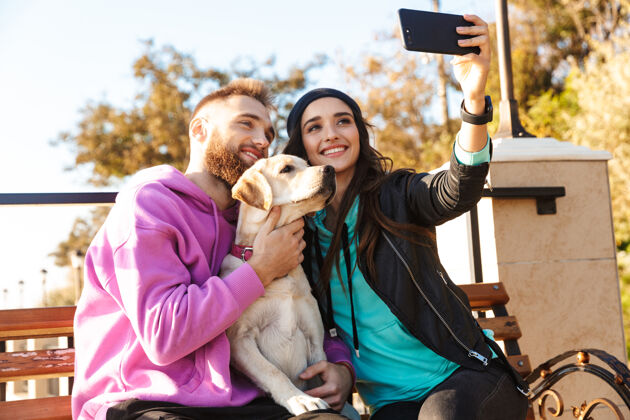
column 150, row 325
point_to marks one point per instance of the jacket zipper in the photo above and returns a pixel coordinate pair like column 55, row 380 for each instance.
column 471, row 353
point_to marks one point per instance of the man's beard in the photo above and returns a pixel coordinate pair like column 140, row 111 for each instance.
column 222, row 162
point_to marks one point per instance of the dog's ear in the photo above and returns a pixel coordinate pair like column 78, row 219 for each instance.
column 252, row 188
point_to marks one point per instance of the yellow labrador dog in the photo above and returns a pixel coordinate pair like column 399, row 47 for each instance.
column 281, row 333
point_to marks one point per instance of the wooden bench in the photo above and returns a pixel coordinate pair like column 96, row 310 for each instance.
column 58, row 322
column 19, row 324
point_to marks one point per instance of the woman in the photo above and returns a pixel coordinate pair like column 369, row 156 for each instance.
column 419, row 353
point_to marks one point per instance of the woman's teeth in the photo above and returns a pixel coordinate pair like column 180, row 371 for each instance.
column 333, row 150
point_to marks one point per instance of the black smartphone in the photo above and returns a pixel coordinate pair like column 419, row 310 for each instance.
column 433, row 32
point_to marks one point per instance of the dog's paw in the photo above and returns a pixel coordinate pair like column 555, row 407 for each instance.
column 300, row 404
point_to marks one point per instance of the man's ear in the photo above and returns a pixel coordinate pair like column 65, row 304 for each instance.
column 253, row 189
column 196, row 129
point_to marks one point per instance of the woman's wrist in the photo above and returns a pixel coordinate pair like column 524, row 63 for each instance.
column 475, row 104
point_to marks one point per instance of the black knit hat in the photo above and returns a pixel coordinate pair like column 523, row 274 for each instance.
column 298, row 109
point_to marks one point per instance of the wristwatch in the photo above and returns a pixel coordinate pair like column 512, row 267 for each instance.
column 482, row 119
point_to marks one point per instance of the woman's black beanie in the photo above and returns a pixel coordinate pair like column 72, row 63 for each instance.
column 298, row 109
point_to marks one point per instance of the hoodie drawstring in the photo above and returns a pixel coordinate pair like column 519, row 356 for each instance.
column 330, row 317
column 346, row 257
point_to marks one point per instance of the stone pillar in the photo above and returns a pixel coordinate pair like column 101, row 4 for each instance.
column 560, row 270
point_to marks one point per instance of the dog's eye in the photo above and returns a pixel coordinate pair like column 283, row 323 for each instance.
column 286, row 169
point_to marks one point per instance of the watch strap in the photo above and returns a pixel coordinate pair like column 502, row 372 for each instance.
column 482, row 119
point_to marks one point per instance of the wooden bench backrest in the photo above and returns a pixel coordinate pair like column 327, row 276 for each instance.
column 18, row 324
column 58, row 322
column 493, row 297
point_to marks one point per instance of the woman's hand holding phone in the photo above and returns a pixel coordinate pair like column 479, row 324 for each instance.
column 471, row 70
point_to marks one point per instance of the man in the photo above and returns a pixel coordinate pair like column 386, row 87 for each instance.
column 150, row 324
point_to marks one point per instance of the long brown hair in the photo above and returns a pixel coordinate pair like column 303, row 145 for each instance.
column 371, row 171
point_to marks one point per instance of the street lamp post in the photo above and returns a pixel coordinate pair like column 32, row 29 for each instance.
column 76, row 260
column 21, row 291
column 44, row 294
column 509, row 123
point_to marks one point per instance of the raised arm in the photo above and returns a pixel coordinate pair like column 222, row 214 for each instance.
column 471, row 71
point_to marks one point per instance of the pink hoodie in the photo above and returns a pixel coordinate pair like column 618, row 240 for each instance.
column 151, row 320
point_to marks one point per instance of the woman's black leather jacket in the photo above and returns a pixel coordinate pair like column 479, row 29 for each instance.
column 410, row 278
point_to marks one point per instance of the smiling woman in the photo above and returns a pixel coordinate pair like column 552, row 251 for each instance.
column 373, row 261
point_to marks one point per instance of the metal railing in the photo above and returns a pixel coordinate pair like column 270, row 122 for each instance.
column 63, row 198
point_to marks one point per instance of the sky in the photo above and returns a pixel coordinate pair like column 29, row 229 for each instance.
column 58, row 55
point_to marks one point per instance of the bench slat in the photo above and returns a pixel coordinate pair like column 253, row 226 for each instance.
column 51, row 408
column 521, row 364
column 504, row 327
column 485, row 295
column 36, row 322
column 36, row 364
column 43, row 333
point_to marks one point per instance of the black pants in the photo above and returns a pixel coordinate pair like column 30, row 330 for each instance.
column 465, row 395
column 259, row 409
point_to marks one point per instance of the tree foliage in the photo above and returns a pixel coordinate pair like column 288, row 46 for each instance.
column 79, row 238
column 63, row 296
column 548, row 38
column 116, row 142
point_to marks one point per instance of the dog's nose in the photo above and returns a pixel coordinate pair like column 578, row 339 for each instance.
column 329, row 170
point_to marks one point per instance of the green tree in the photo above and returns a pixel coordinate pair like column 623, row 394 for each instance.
column 548, row 38
column 117, row 142
column 602, row 93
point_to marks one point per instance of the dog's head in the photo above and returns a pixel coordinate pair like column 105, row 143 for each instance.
column 288, row 182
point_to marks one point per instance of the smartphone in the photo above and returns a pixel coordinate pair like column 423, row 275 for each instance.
column 433, row 32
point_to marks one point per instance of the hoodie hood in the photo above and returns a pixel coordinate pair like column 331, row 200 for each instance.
column 172, row 179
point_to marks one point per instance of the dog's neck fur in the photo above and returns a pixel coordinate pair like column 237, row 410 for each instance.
column 251, row 219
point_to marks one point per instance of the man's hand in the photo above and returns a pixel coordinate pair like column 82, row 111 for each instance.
column 276, row 252
column 337, row 383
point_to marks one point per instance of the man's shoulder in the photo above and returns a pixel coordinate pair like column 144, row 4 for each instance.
column 155, row 185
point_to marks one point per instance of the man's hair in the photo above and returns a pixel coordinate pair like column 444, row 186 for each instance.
column 246, row 87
